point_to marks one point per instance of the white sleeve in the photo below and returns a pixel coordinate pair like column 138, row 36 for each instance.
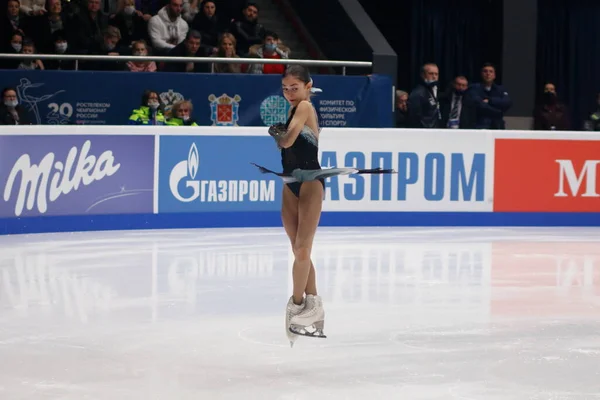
column 155, row 33
column 183, row 30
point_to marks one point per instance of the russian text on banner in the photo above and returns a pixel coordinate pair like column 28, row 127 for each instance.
column 213, row 173
column 547, row 175
column 76, row 175
column 436, row 171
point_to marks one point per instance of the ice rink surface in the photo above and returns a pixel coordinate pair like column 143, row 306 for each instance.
column 469, row 313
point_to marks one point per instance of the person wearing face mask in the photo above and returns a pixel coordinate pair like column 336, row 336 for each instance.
column 60, row 45
column 423, row 103
column 456, row 107
column 550, row 114
column 181, row 114
column 14, row 46
column 270, row 48
column 11, row 113
column 150, row 112
column 108, row 47
column 131, row 24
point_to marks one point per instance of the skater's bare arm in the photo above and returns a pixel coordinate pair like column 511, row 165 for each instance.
column 296, row 124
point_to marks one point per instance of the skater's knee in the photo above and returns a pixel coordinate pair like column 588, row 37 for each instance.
column 301, row 252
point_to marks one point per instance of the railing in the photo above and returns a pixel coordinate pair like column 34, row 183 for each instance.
column 213, row 60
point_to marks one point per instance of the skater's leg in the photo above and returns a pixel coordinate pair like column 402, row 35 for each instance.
column 309, row 214
column 289, row 217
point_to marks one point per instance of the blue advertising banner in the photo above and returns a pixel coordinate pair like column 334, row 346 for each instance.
column 213, row 173
column 76, row 175
column 86, row 97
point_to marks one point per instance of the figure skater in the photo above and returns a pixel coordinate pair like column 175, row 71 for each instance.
column 302, row 201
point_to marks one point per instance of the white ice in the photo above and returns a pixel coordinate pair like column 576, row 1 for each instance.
column 411, row 313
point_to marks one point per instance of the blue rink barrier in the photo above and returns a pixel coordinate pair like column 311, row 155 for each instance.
column 108, row 98
column 81, row 223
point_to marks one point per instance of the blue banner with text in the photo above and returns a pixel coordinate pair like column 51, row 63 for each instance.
column 108, row 98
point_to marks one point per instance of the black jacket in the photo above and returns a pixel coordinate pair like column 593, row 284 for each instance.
column 423, row 108
column 181, row 51
column 6, row 117
column 468, row 111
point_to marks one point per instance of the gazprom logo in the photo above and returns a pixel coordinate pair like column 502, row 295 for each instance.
column 454, row 177
column 193, row 161
column 186, row 188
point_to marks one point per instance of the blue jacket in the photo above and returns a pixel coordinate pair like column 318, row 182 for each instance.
column 490, row 115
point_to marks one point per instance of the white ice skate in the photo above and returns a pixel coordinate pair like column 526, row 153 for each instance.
column 291, row 310
column 311, row 321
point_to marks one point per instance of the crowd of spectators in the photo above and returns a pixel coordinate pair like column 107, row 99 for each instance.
column 181, row 28
column 480, row 105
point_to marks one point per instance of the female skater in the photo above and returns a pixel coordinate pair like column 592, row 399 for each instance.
column 304, row 181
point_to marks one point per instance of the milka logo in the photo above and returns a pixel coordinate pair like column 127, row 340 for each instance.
column 40, row 184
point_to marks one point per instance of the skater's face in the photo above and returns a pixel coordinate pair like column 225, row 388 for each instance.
column 295, row 90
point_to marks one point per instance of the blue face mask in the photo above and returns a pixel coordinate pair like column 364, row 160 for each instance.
column 270, row 46
column 459, row 92
column 431, row 83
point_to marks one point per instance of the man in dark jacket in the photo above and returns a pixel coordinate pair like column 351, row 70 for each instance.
column 423, row 105
column 11, row 113
column 190, row 47
column 491, row 100
column 456, row 106
column 247, row 30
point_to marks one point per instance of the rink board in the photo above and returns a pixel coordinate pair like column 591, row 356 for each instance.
column 75, row 178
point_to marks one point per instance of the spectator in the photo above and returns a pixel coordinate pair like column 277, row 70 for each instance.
column 401, row 109
column 167, row 29
column 272, row 49
column 423, row 104
column 33, row 7
column 148, row 8
column 247, row 30
column 190, row 47
column 209, row 24
column 43, row 26
column 457, row 109
column 108, row 47
column 190, row 10
column 61, row 46
column 593, row 124
column 181, row 114
column 29, row 48
column 12, row 21
column 149, row 113
column 87, row 27
column 14, row 46
column 491, row 100
column 140, row 48
column 227, row 50
column 551, row 114
column 11, row 113
column 131, row 24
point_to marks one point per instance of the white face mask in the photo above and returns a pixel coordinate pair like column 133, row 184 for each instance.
column 17, row 46
column 153, row 104
column 186, row 118
column 11, row 103
column 129, row 10
column 61, row 47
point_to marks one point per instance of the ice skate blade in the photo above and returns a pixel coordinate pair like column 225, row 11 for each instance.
column 302, row 331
